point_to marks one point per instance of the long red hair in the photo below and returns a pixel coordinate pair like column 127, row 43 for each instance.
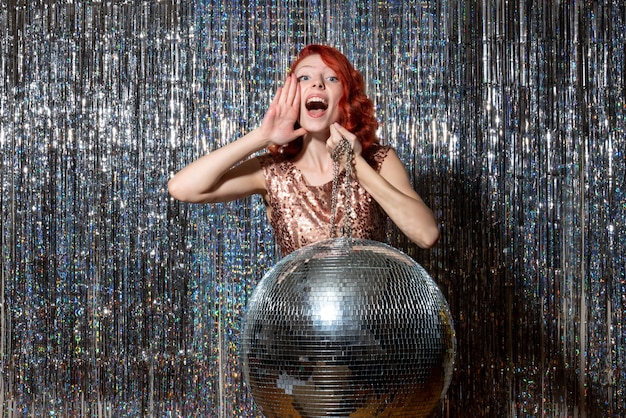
column 356, row 110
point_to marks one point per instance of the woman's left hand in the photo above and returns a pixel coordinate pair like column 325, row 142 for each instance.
column 337, row 134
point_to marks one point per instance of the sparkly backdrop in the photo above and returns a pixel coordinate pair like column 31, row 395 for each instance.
column 117, row 301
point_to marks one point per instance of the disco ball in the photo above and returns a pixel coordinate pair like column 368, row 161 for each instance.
column 348, row 328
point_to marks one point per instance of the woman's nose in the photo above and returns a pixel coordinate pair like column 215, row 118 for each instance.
column 319, row 83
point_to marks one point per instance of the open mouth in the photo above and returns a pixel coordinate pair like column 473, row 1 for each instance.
column 316, row 105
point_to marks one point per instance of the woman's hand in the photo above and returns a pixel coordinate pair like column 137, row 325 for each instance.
column 337, row 134
column 278, row 124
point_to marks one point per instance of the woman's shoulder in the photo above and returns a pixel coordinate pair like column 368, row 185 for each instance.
column 376, row 153
column 274, row 165
column 269, row 159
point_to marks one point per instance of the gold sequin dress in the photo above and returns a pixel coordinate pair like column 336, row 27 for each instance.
column 300, row 214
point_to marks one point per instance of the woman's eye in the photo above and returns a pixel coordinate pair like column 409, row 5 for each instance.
column 303, row 78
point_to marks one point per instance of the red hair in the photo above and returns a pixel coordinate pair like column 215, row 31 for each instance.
column 356, row 110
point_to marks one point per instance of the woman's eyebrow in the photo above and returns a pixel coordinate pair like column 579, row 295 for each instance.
column 313, row 67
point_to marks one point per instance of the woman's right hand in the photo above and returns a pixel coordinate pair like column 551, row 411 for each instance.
column 278, row 124
column 226, row 173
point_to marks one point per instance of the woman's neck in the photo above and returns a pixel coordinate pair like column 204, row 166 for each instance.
column 314, row 158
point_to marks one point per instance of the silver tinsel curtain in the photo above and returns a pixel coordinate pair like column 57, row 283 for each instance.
column 118, row 301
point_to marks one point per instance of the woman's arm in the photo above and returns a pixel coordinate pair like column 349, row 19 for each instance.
column 221, row 175
column 218, row 176
column 393, row 191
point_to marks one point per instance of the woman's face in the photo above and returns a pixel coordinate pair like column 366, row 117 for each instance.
column 320, row 91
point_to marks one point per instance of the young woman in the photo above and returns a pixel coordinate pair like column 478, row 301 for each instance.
column 322, row 102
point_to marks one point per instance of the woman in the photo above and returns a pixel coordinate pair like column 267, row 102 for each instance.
column 322, row 102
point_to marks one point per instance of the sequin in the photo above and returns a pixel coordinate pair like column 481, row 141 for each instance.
column 301, row 214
